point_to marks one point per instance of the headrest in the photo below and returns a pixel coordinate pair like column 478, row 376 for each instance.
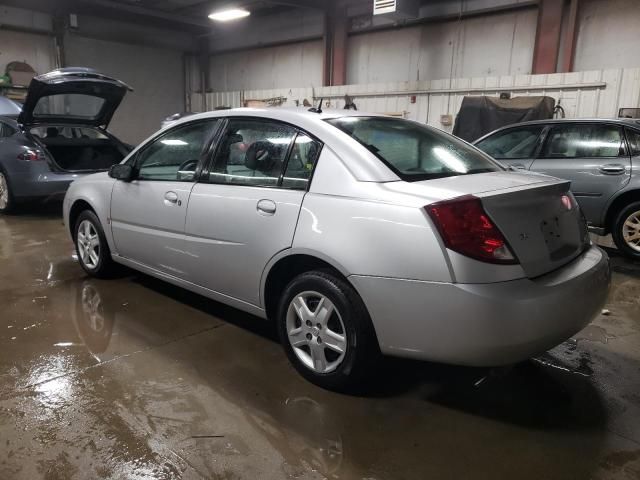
column 559, row 146
column 261, row 156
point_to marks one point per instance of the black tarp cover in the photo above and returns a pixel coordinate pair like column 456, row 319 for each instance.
column 481, row 115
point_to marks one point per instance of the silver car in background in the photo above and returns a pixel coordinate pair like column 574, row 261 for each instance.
column 356, row 234
column 601, row 158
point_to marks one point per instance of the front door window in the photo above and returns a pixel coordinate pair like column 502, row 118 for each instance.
column 175, row 155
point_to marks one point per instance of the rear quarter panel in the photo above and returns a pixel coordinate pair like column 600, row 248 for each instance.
column 371, row 238
column 367, row 228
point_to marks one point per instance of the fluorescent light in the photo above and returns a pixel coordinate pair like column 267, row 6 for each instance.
column 231, row 14
column 170, row 141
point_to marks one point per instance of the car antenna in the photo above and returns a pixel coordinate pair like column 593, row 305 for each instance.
column 317, row 109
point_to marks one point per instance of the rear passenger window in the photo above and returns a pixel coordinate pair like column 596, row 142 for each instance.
column 634, row 141
column 301, row 162
column 252, row 152
column 512, row 144
column 584, row 141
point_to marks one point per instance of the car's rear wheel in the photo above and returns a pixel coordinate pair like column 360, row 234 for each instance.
column 326, row 331
column 92, row 247
column 626, row 231
column 7, row 202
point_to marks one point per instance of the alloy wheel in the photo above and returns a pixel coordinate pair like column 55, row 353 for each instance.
column 631, row 231
column 4, row 192
column 316, row 331
column 88, row 244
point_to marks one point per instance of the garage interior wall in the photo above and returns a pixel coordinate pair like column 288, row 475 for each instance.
column 155, row 74
column 270, row 67
column 36, row 50
column 608, row 35
column 474, row 47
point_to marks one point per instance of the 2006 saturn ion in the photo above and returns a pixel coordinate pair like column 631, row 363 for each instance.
column 357, row 234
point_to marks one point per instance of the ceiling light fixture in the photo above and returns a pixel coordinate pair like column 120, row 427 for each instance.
column 227, row 15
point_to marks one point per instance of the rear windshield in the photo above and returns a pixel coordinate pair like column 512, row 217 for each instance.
column 69, row 104
column 414, row 151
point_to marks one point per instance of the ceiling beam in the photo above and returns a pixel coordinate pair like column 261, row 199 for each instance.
column 313, row 4
column 146, row 12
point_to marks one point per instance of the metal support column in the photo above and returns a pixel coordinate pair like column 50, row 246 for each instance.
column 335, row 45
column 570, row 36
column 547, row 43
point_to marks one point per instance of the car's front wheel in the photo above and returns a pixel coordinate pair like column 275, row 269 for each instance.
column 91, row 246
column 626, row 231
column 326, row 331
column 7, row 202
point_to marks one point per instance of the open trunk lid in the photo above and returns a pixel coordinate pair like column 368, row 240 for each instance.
column 537, row 214
column 74, row 95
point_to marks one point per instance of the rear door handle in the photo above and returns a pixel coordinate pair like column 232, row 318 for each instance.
column 171, row 198
column 612, row 169
column 266, row 207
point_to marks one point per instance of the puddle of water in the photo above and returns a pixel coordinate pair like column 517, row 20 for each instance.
column 594, row 333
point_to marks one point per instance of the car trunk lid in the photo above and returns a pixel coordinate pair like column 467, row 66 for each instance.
column 537, row 214
column 74, row 95
column 542, row 224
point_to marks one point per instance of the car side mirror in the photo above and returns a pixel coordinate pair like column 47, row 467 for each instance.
column 121, row 171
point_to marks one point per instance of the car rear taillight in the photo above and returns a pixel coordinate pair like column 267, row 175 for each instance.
column 31, row 155
column 466, row 228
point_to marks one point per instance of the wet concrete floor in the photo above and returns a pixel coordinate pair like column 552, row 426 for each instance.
column 135, row 379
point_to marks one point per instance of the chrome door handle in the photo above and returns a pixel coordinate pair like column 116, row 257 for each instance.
column 266, row 207
column 612, row 169
column 171, row 198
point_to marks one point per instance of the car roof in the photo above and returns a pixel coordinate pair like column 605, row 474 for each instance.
column 285, row 114
column 363, row 164
column 630, row 122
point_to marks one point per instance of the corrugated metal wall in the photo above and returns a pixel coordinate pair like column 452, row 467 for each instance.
column 598, row 93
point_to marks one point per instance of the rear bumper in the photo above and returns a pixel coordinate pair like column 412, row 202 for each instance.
column 44, row 184
column 486, row 324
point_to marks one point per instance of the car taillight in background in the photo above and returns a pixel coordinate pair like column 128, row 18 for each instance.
column 31, row 155
column 466, row 228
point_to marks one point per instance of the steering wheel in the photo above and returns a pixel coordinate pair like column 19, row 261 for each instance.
column 186, row 169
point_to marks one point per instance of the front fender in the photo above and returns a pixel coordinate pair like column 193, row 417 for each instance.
column 95, row 190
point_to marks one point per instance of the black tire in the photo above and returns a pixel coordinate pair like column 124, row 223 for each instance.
column 105, row 267
column 617, row 230
column 11, row 202
column 362, row 351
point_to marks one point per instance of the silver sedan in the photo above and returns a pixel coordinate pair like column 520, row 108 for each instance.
column 358, row 235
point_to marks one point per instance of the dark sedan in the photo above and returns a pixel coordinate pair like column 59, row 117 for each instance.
column 58, row 135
